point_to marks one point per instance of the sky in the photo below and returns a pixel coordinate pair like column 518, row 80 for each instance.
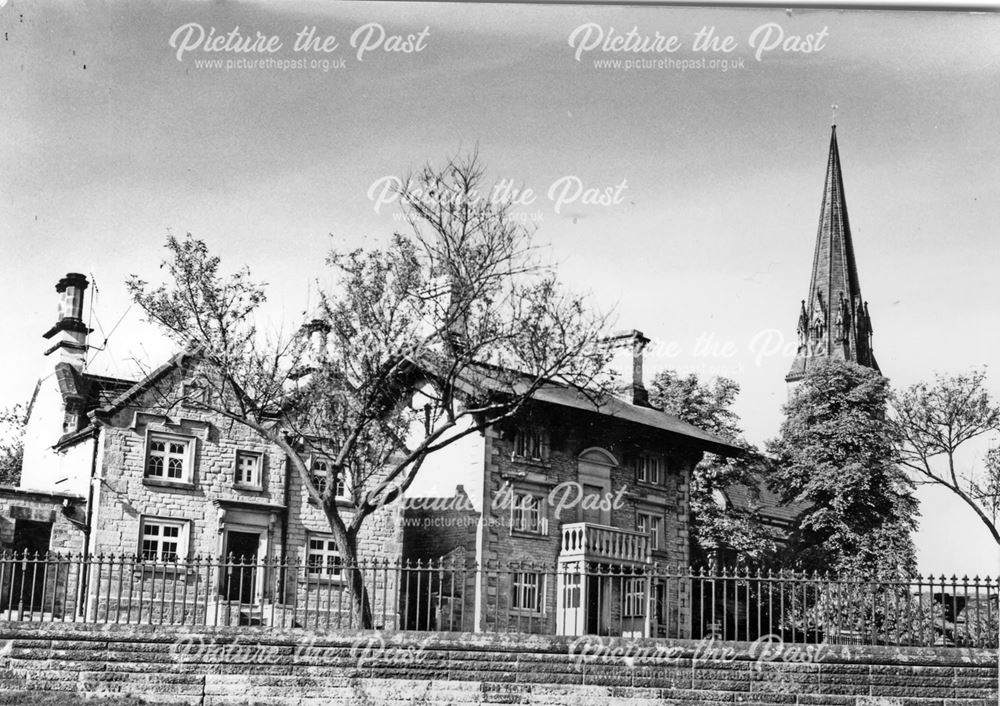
column 683, row 196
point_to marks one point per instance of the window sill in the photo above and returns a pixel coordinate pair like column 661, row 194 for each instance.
column 248, row 488
column 536, row 462
column 527, row 534
column 161, row 483
column 321, row 581
column 646, row 485
column 155, row 567
column 340, row 502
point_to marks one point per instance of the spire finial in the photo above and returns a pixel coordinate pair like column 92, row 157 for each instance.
column 834, row 121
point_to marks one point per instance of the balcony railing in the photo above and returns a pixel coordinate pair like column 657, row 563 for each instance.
column 584, row 541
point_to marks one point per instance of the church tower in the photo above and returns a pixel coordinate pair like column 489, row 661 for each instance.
column 833, row 319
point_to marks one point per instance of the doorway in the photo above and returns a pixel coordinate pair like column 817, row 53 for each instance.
column 27, row 587
column 240, row 570
column 597, row 602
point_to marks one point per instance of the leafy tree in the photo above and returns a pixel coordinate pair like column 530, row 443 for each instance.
column 459, row 307
column 713, row 527
column 988, row 491
column 934, row 421
column 705, row 405
column 12, row 421
column 836, row 452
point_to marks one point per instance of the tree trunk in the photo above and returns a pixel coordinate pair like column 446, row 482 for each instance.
column 361, row 609
column 346, row 539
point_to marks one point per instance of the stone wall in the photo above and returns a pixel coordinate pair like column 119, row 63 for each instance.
column 57, row 509
column 439, row 532
column 278, row 510
column 228, row 666
column 125, row 496
column 55, row 518
column 568, row 434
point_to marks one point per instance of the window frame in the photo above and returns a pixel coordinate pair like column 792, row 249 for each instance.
column 521, row 452
column 242, row 484
column 634, row 597
column 517, row 507
column 649, row 468
column 183, row 552
column 519, row 591
column 188, row 459
column 194, row 395
column 656, row 541
column 572, row 591
column 342, row 482
column 321, row 572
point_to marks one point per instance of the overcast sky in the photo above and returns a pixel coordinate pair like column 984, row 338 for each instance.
column 110, row 138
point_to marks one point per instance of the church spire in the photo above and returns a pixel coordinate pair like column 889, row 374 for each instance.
column 833, row 320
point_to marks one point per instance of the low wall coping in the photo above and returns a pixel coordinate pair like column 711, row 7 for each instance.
column 582, row 646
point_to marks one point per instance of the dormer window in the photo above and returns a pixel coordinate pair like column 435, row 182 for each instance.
column 649, row 468
column 529, row 443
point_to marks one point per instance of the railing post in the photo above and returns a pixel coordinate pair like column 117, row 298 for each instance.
column 93, row 588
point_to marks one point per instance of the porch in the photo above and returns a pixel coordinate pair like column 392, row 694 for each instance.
column 603, row 586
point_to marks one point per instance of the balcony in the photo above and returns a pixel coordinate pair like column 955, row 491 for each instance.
column 583, row 541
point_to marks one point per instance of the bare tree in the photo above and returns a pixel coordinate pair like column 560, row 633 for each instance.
column 934, row 421
column 459, row 310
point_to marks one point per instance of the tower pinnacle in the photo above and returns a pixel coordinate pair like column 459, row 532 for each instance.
column 833, row 319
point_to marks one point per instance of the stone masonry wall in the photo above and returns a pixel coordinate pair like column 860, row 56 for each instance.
column 33, row 584
column 568, row 434
column 126, row 497
column 228, row 667
column 439, row 532
column 279, row 511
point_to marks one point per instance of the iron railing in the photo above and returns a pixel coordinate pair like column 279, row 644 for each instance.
column 572, row 597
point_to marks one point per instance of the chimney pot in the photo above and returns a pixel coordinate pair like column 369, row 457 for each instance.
column 71, row 287
column 72, row 332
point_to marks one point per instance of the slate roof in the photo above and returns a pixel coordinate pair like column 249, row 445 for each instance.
column 646, row 416
column 126, row 393
column 92, row 391
column 107, row 389
column 768, row 505
column 107, row 395
column 507, row 381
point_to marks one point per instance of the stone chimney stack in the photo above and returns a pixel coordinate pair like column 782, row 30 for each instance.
column 317, row 330
column 626, row 362
column 69, row 331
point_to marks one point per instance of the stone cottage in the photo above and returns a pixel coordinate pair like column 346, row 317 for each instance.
column 136, row 468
